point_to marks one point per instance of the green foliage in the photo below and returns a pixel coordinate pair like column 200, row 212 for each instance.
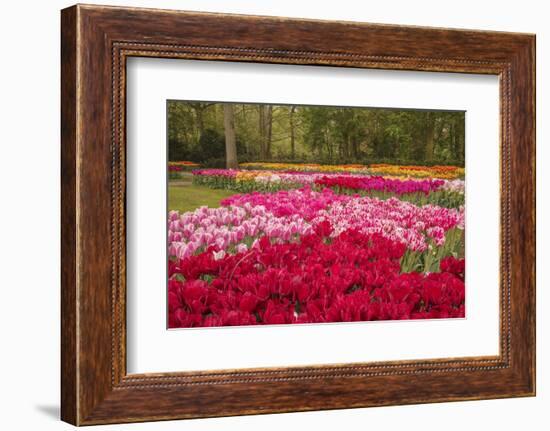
column 429, row 260
column 240, row 186
column 318, row 134
column 211, row 145
column 442, row 198
column 174, row 175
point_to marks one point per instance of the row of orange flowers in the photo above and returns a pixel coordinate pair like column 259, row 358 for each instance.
column 183, row 165
column 381, row 169
column 443, row 172
column 305, row 167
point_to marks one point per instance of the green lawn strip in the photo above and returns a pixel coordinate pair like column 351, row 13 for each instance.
column 188, row 198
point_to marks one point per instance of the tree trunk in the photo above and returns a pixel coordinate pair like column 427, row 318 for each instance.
column 460, row 132
column 453, row 142
column 430, row 135
column 244, row 142
column 262, row 128
column 342, row 146
column 230, row 141
column 200, row 121
column 292, row 133
column 269, row 128
column 328, row 143
column 355, row 148
column 200, row 109
column 265, row 118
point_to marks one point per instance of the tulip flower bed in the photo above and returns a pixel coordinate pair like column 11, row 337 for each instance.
column 398, row 220
column 420, row 192
column 246, row 181
column 305, row 167
column 366, row 183
column 313, row 253
column 351, row 277
column 176, row 168
column 234, row 228
column 448, row 193
column 181, row 166
column 441, row 172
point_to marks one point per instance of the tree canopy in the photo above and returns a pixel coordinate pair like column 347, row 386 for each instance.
column 223, row 134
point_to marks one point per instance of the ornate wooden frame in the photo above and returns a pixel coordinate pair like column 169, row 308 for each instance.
column 95, row 43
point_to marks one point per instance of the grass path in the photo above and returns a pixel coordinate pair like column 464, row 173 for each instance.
column 189, row 197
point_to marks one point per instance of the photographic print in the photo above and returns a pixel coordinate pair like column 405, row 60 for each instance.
column 286, row 214
column 250, row 211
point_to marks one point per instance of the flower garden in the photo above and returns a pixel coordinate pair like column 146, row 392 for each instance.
column 175, row 169
column 311, row 243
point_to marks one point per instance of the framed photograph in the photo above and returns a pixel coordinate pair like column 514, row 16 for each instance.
column 324, row 214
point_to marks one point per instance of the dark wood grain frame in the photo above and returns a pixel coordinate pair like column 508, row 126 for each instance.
column 95, row 43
